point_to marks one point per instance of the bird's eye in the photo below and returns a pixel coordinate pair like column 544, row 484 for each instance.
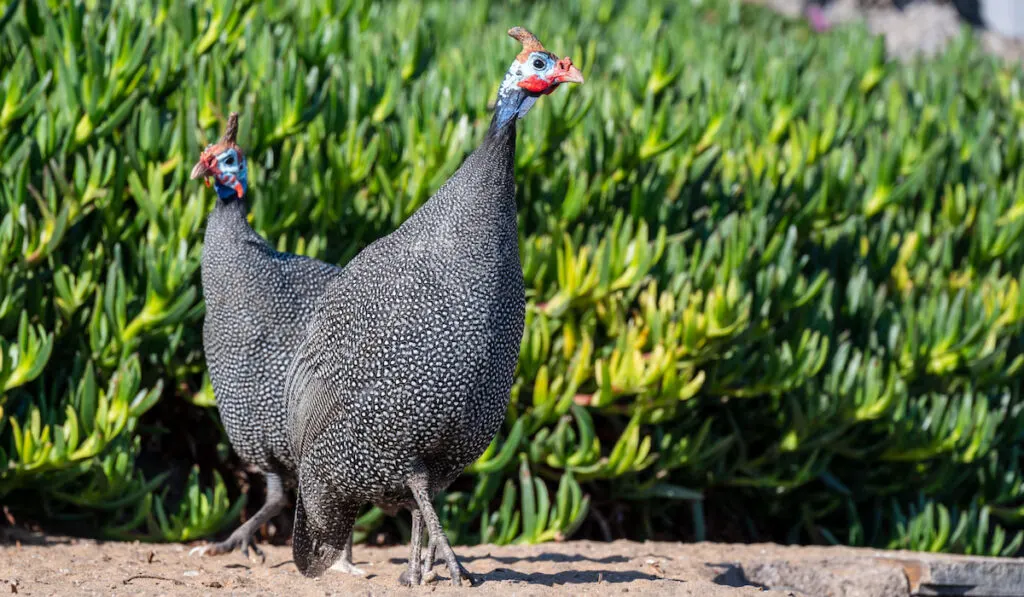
column 230, row 161
column 538, row 64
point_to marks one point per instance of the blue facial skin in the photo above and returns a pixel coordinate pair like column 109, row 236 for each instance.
column 232, row 174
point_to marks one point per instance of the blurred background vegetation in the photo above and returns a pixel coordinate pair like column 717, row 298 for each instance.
column 773, row 277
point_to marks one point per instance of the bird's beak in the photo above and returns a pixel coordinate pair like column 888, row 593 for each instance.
column 206, row 166
column 200, row 170
column 565, row 72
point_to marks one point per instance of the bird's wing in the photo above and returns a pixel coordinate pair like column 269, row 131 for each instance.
column 334, row 365
column 306, row 400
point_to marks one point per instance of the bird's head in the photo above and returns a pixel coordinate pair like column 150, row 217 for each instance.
column 537, row 70
column 224, row 162
column 533, row 73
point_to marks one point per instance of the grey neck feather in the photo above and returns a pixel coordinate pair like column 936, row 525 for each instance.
column 513, row 102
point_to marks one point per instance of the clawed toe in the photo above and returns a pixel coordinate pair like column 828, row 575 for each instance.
column 212, row 549
column 350, row 568
column 246, row 545
column 430, row 576
column 227, row 546
column 466, row 576
column 199, row 551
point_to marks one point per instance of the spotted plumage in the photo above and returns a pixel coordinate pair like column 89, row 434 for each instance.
column 257, row 303
column 404, row 375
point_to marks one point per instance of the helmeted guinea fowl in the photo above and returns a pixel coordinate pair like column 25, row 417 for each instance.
column 405, row 373
column 257, row 303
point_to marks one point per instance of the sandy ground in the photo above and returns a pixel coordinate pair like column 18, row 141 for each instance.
column 57, row 566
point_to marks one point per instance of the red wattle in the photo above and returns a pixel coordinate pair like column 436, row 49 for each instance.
column 534, row 83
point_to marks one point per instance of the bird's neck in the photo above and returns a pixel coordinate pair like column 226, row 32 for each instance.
column 477, row 212
column 498, row 148
column 499, row 145
column 490, row 171
column 233, row 255
column 227, row 228
column 477, row 205
column 513, row 102
column 230, row 210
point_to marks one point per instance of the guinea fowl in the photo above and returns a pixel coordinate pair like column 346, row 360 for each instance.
column 257, row 303
column 405, row 373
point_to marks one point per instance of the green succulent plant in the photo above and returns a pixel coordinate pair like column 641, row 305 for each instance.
column 773, row 277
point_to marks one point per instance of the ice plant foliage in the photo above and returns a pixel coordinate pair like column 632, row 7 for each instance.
column 773, row 279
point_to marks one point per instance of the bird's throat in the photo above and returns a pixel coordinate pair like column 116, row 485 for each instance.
column 228, row 192
column 512, row 103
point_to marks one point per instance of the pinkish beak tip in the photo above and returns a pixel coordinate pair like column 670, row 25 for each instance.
column 573, row 75
column 199, row 170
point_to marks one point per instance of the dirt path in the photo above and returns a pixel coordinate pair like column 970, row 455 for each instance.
column 82, row 567
column 58, row 566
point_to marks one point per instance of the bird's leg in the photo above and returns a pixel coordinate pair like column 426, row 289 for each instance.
column 428, row 564
column 345, row 563
column 418, row 485
column 427, row 573
column 413, row 575
column 242, row 536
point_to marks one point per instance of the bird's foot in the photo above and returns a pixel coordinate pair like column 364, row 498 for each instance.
column 466, row 576
column 237, row 540
column 408, row 577
column 347, row 567
column 430, row 576
column 426, row 574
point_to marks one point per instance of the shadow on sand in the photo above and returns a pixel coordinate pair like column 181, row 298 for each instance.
column 566, row 577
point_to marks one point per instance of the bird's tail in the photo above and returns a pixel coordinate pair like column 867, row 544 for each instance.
column 312, row 556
